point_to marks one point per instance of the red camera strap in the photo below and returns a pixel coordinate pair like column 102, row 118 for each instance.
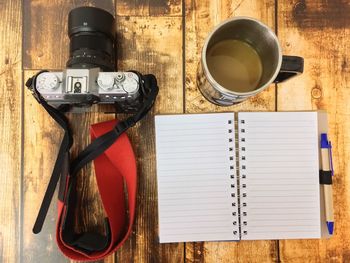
column 116, row 165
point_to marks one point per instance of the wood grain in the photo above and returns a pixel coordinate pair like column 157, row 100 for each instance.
column 90, row 215
column 42, row 137
column 201, row 17
column 149, row 8
column 10, row 128
column 318, row 31
column 151, row 45
column 41, row 140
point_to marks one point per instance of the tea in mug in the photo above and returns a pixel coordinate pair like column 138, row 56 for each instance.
column 235, row 65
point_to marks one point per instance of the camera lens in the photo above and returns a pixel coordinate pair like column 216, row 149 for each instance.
column 92, row 34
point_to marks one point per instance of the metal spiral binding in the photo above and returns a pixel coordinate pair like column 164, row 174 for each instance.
column 243, row 207
column 233, row 178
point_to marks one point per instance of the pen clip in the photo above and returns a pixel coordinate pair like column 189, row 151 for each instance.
column 330, row 157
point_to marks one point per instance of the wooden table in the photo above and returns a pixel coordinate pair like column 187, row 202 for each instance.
column 165, row 38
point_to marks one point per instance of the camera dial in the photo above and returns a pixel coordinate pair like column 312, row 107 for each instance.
column 120, row 76
column 48, row 82
column 105, row 82
column 130, row 85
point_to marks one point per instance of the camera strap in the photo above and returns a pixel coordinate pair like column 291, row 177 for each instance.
column 115, row 164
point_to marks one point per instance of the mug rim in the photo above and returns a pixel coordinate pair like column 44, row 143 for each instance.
column 210, row 78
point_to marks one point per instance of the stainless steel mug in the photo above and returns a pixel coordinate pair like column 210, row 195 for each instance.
column 275, row 66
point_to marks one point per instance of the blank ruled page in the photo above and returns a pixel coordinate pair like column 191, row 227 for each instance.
column 197, row 198
column 279, row 175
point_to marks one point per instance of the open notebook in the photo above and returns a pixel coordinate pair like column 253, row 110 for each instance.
column 245, row 176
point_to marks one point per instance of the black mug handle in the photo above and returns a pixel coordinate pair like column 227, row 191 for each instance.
column 291, row 66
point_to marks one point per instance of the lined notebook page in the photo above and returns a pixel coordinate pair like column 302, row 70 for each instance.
column 197, row 199
column 280, row 166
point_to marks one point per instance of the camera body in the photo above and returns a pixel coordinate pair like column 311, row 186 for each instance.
column 90, row 75
column 84, row 87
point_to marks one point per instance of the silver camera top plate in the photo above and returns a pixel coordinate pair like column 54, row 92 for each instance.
column 76, row 85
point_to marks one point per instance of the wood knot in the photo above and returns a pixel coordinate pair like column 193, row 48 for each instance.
column 9, row 83
column 344, row 65
column 299, row 8
column 316, row 93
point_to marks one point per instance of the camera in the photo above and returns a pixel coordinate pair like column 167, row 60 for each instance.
column 89, row 76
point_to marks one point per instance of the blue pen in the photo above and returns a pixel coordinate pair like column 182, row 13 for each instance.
column 326, row 180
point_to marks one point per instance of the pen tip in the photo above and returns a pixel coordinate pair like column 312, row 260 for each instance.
column 330, row 226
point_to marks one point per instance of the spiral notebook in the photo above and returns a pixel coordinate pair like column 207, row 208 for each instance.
column 245, row 176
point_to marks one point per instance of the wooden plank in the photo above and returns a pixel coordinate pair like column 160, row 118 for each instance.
column 318, row 31
column 149, row 7
column 45, row 35
column 41, row 139
column 90, row 214
column 151, row 45
column 201, row 17
column 10, row 132
column 47, row 32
